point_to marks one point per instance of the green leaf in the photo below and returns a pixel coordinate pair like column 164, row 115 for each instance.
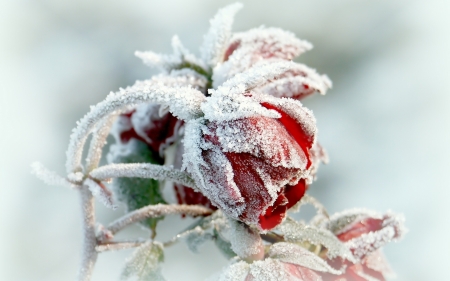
column 137, row 192
column 223, row 245
column 144, row 263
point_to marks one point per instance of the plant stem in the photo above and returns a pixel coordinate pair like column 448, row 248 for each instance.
column 156, row 211
column 115, row 246
column 89, row 254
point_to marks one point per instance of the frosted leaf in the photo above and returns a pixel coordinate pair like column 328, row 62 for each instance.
column 339, row 222
column 50, row 177
column 298, row 232
column 196, row 238
column 245, row 242
column 188, row 59
column 247, row 48
column 295, row 254
column 218, row 35
column 234, row 272
column 144, row 264
column 101, row 192
column 223, row 245
column 184, row 103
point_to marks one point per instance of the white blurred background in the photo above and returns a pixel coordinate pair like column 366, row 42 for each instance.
column 385, row 123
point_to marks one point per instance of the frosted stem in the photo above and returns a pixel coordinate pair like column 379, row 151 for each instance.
column 115, row 246
column 98, row 141
column 135, row 170
column 156, row 211
column 89, row 254
column 183, row 102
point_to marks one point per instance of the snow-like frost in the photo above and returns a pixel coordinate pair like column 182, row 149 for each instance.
column 245, row 242
column 50, row 177
column 298, row 232
column 101, row 192
column 369, row 242
column 142, row 170
column 247, row 48
column 218, row 35
column 341, row 221
column 197, row 237
column 234, row 272
column 183, row 102
column 144, row 264
column 99, row 136
column 295, row 254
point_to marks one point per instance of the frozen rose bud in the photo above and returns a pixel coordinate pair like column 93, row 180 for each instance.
column 149, row 124
column 254, row 168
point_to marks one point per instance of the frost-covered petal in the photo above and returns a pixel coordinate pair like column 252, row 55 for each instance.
column 247, row 48
column 366, row 231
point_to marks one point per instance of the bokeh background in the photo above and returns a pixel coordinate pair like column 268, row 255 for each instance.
column 385, row 123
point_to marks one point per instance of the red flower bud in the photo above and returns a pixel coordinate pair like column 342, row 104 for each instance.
column 255, row 168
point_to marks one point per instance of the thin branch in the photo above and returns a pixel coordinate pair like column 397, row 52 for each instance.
column 156, row 211
column 152, row 171
column 89, row 254
column 118, row 245
column 184, row 102
column 50, row 177
column 98, row 141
